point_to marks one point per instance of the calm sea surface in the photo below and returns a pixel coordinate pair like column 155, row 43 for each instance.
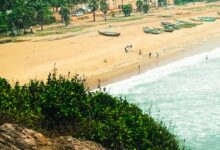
column 186, row 93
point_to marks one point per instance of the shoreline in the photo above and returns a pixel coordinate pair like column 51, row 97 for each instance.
column 132, row 70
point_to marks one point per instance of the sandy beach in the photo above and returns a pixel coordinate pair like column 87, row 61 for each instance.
column 103, row 58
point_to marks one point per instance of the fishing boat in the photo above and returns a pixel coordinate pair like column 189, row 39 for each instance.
column 169, row 25
column 152, row 30
column 207, row 19
column 185, row 24
column 109, row 33
column 168, row 29
column 165, row 23
column 194, row 19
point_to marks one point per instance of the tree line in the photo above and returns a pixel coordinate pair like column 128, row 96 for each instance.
column 16, row 15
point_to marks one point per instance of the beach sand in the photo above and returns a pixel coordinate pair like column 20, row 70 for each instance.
column 103, row 58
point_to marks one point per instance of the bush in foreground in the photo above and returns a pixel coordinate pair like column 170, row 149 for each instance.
column 62, row 106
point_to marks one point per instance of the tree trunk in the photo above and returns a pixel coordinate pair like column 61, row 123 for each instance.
column 166, row 4
column 24, row 30
column 41, row 23
column 94, row 16
column 56, row 9
column 105, row 16
column 66, row 22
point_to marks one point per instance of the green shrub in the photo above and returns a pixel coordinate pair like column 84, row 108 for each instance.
column 127, row 9
column 63, row 106
column 139, row 5
column 112, row 13
column 3, row 24
column 145, row 8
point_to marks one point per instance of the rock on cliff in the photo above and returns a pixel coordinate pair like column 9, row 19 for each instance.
column 14, row 137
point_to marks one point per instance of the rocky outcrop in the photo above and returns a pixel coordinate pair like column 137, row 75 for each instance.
column 14, row 137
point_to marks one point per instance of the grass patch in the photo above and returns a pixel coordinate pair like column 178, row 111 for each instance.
column 124, row 19
column 58, row 30
column 203, row 8
column 166, row 16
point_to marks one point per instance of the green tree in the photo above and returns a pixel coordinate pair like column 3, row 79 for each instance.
column 55, row 4
column 41, row 9
column 21, row 16
column 127, row 9
column 93, row 5
column 65, row 13
column 104, row 7
column 5, row 5
column 62, row 106
column 145, row 8
column 139, row 5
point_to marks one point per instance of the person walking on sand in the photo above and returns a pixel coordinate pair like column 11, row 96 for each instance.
column 99, row 83
column 126, row 50
column 157, row 55
column 139, row 68
column 140, row 52
column 150, row 55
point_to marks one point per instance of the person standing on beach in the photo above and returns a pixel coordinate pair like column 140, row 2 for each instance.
column 126, row 50
column 139, row 68
column 99, row 83
column 157, row 55
column 150, row 55
column 140, row 52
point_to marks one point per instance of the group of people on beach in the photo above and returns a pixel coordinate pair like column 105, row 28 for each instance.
column 127, row 48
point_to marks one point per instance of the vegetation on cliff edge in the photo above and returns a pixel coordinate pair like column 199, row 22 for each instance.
column 63, row 106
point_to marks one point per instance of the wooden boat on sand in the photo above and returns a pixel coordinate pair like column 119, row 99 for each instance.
column 152, row 30
column 109, row 33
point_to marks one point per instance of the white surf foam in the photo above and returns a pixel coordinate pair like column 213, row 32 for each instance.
column 160, row 72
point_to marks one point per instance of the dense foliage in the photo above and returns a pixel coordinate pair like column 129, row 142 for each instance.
column 104, row 7
column 22, row 14
column 127, row 9
column 188, row 1
column 94, row 5
column 145, row 8
column 65, row 14
column 62, row 105
column 139, row 5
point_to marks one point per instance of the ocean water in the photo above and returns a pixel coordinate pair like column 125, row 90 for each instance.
column 186, row 93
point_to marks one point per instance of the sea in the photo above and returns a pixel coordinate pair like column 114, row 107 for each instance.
column 184, row 94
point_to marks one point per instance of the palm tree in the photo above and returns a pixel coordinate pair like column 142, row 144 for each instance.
column 5, row 5
column 65, row 13
column 41, row 9
column 93, row 5
column 104, row 7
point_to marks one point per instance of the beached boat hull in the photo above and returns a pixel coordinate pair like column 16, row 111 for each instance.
column 207, row 19
column 108, row 33
column 152, row 30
